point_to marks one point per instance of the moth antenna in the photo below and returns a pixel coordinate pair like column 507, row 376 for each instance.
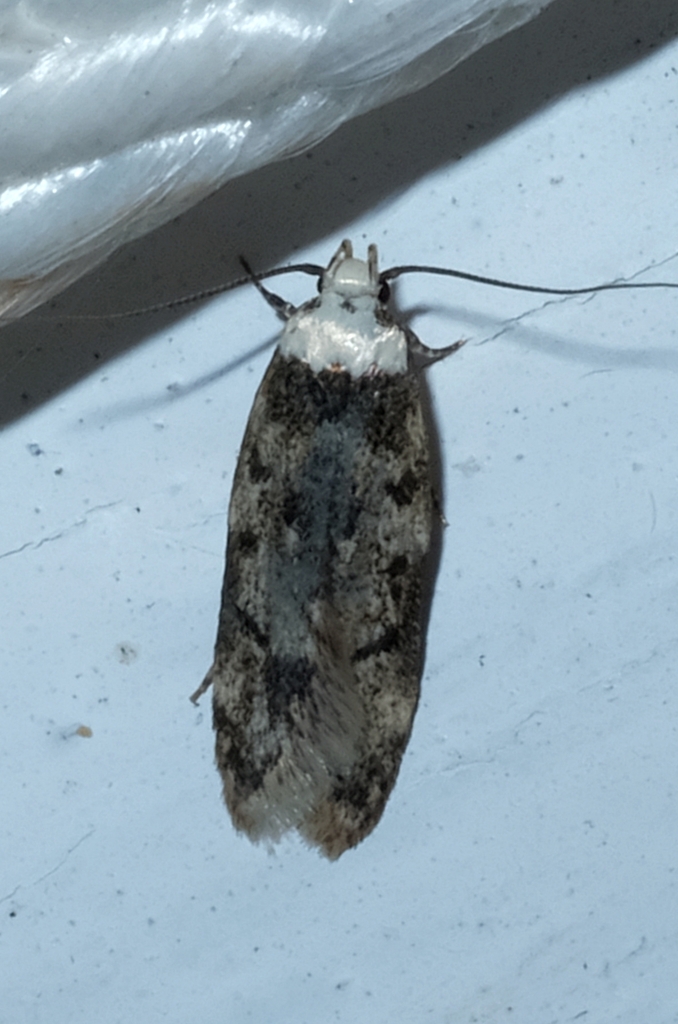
column 312, row 269
column 208, row 293
column 285, row 310
column 158, row 307
column 393, row 272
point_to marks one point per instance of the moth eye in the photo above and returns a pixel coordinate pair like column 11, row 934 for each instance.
column 384, row 292
column 319, row 284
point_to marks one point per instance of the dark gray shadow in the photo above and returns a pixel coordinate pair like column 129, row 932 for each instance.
column 271, row 213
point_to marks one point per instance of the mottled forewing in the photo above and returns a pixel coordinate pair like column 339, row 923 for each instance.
column 319, row 648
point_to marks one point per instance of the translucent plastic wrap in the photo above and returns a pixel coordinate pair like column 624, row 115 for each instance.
column 116, row 117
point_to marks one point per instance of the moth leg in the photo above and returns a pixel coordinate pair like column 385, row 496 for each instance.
column 204, row 686
column 282, row 308
column 425, row 356
column 438, row 512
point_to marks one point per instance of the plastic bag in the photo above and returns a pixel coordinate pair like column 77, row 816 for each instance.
column 116, row 117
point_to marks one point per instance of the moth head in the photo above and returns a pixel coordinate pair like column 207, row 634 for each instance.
column 351, row 278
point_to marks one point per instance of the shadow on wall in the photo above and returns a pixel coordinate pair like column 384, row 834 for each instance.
column 274, row 211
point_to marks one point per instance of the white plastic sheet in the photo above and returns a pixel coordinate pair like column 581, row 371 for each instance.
column 116, row 117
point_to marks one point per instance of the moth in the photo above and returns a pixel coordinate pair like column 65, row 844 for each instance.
column 319, row 649
column 318, row 656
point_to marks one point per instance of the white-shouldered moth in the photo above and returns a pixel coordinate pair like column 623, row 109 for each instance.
column 318, row 655
column 319, row 648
